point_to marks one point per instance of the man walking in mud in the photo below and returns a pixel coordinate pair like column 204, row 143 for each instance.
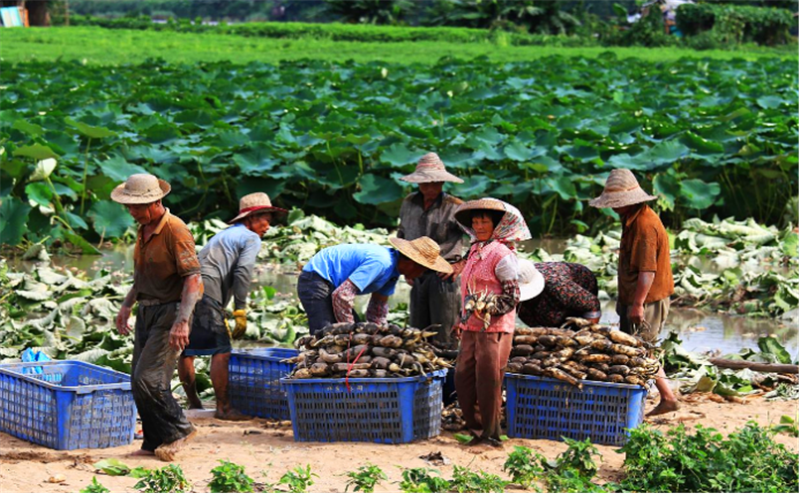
column 644, row 272
column 166, row 285
column 226, row 263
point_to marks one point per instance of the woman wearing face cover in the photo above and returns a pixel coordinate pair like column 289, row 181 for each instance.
column 490, row 293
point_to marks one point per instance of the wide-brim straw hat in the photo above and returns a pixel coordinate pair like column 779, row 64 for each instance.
column 464, row 212
column 430, row 168
column 423, row 251
column 531, row 281
column 140, row 188
column 622, row 189
column 255, row 203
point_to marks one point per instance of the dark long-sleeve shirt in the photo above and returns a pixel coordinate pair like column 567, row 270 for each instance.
column 570, row 290
column 437, row 222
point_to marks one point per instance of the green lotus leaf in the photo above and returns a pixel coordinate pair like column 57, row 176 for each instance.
column 698, row 194
column 399, row 155
column 36, row 151
column 110, row 220
column 13, row 217
column 90, row 131
column 28, row 128
column 377, row 190
column 118, row 169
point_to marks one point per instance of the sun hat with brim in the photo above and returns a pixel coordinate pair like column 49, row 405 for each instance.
column 511, row 227
column 465, row 211
column 430, row 169
column 255, row 203
column 531, row 281
column 622, row 189
column 422, row 251
column 140, row 188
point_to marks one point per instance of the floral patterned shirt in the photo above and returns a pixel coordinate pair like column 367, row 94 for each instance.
column 570, row 290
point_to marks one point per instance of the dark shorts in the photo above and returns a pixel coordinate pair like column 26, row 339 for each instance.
column 209, row 335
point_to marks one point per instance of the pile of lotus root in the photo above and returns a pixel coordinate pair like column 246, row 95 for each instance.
column 586, row 352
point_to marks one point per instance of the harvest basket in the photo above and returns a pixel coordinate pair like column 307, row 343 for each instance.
column 66, row 404
column 391, row 411
column 254, row 386
column 545, row 408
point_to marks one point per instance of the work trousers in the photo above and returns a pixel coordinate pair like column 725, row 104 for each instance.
column 435, row 301
column 154, row 362
column 316, row 296
column 655, row 315
column 479, row 379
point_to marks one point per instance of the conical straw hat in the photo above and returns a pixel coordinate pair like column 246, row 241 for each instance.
column 257, row 202
column 431, row 169
column 423, row 251
column 140, row 188
column 621, row 190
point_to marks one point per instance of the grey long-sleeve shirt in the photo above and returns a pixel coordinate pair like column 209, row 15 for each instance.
column 226, row 264
column 438, row 223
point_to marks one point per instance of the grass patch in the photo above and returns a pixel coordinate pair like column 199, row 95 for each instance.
column 98, row 46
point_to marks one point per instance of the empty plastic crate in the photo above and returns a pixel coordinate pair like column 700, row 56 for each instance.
column 67, row 405
column 544, row 408
column 254, row 386
column 391, row 411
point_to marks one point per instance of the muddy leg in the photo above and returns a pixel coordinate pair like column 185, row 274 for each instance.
column 186, row 373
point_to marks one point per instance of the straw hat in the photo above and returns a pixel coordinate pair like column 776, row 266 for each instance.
column 140, row 188
column 257, row 202
column 431, row 169
column 531, row 281
column 463, row 213
column 621, row 190
column 422, row 251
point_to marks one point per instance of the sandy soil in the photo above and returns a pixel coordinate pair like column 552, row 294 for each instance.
column 267, row 450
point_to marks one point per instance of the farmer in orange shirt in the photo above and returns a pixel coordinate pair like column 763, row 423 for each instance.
column 644, row 271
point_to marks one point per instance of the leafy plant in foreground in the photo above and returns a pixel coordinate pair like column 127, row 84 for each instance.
column 167, row 479
column 95, row 486
column 299, row 479
column 465, row 480
column 421, row 480
column 524, row 466
column 579, row 456
column 748, row 460
column 365, row 478
column 230, row 477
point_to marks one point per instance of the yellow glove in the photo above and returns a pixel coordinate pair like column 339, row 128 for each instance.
column 227, row 327
column 241, row 323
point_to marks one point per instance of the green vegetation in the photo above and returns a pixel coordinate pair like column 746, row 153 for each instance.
column 747, row 461
column 230, row 477
column 465, row 480
column 732, row 24
column 94, row 45
column 299, row 479
column 315, row 134
column 524, row 466
column 365, row 478
column 742, row 254
column 423, row 480
column 697, row 374
column 95, row 486
column 167, row 479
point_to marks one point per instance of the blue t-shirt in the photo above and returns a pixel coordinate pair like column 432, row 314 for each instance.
column 371, row 268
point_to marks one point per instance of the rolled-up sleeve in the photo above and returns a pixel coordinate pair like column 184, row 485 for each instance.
column 186, row 262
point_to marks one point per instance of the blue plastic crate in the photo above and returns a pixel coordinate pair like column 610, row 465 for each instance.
column 254, row 386
column 390, row 411
column 544, row 408
column 68, row 405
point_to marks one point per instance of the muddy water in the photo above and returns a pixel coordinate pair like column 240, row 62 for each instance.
column 701, row 331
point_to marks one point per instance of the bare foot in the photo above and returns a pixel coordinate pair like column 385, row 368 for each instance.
column 232, row 415
column 663, row 407
column 142, row 452
column 193, row 406
column 166, row 452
